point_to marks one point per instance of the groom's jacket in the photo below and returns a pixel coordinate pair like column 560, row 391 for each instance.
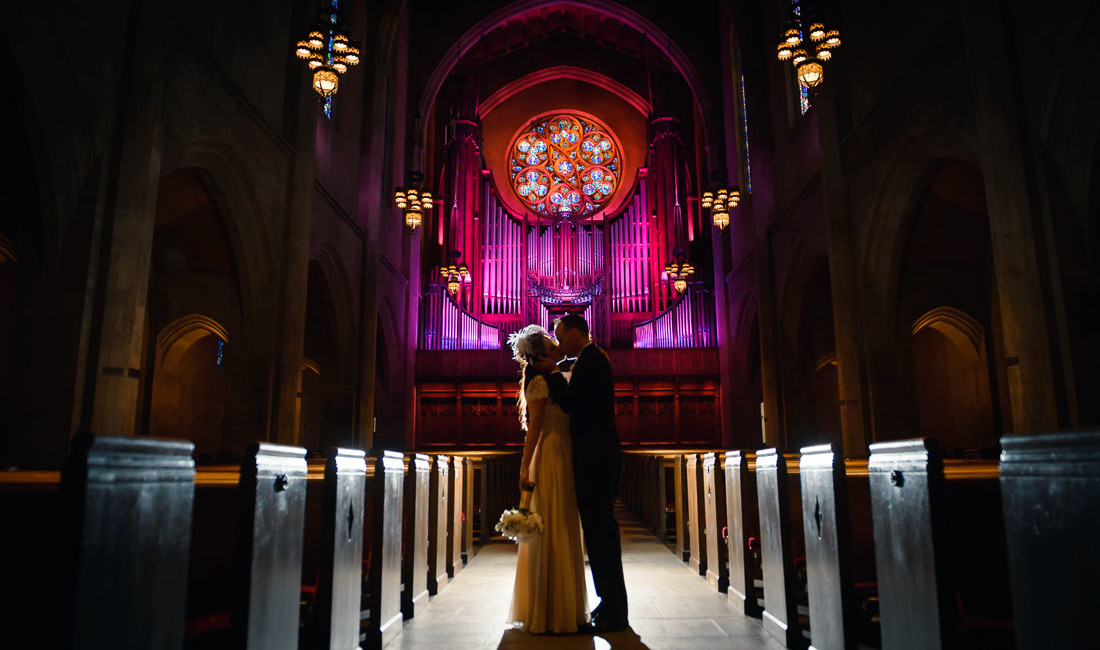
column 589, row 399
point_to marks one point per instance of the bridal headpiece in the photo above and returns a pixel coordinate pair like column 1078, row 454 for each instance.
column 528, row 342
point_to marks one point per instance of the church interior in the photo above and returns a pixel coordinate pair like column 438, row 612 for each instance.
column 261, row 261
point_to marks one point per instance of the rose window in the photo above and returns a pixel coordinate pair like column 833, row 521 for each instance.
column 566, row 166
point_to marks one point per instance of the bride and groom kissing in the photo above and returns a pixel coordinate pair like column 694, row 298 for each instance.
column 571, row 454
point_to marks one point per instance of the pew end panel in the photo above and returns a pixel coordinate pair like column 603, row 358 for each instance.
column 414, row 566
column 745, row 587
column 773, row 484
column 714, row 494
column 1050, row 489
column 339, row 594
column 386, row 470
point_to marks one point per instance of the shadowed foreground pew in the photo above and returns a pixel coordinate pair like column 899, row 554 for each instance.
column 836, row 517
column 438, row 493
column 244, row 590
column 777, row 546
column 98, row 558
column 744, row 525
column 455, row 522
column 414, row 561
column 339, row 590
column 939, row 549
column 714, row 504
column 1050, row 487
column 382, row 622
column 697, row 514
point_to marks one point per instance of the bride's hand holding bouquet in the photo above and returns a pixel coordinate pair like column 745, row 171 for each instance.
column 520, row 524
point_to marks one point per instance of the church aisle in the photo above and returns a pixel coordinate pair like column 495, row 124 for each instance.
column 671, row 608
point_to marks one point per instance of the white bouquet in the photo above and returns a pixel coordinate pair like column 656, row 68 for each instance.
column 520, row 524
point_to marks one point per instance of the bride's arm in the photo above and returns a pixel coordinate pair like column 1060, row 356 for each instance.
column 536, row 409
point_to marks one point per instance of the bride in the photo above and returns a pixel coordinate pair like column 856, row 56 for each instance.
column 549, row 593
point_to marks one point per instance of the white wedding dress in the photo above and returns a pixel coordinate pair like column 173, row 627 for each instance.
column 550, row 594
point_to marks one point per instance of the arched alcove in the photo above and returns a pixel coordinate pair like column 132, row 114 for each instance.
column 951, row 380
column 194, row 302
column 311, row 408
column 387, row 432
column 817, row 362
column 189, row 388
column 9, row 284
column 320, row 389
column 947, row 303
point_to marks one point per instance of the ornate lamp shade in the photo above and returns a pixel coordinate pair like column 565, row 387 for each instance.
column 453, row 285
column 325, row 81
column 680, row 284
column 811, row 72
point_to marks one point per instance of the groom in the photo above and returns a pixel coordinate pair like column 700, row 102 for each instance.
column 589, row 398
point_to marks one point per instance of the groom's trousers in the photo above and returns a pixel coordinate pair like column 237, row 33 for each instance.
column 597, row 487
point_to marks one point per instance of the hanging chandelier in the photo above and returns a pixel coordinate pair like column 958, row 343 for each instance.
column 328, row 51
column 415, row 203
column 679, row 272
column 807, row 48
column 454, row 275
column 719, row 202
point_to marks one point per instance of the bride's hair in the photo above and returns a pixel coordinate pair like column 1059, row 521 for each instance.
column 527, row 345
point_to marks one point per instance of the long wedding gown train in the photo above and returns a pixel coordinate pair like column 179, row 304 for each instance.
column 550, row 594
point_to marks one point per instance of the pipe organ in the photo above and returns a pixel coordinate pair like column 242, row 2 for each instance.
column 532, row 267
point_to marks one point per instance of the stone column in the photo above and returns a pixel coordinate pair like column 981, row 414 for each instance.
column 848, row 316
column 290, row 323
column 1016, row 234
column 128, row 218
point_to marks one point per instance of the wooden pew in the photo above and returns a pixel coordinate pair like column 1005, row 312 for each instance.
column 244, row 578
column 773, row 485
column 414, row 564
column 939, row 548
column 499, row 490
column 683, row 518
column 714, row 503
column 386, row 470
column 1050, row 489
column 697, row 514
column 745, row 590
column 836, row 517
column 335, row 612
column 467, row 513
column 455, row 524
column 439, row 495
column 97, row 553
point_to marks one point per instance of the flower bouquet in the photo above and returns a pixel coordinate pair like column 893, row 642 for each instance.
column 520, row 524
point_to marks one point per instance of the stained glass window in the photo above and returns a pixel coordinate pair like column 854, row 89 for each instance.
column 220, row 358
column 565, row 166
column 745, row 136
column 803, row 90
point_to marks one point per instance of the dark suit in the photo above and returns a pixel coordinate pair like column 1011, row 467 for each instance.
column 589, row 398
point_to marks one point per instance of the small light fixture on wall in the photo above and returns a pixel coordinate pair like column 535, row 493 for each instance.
column 719, row 201
column 414, row 203
column 328, row 51
column 807, row 48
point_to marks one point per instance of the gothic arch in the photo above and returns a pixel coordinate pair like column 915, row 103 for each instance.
column 614, row 9
column 188, row 388
column 905, row 179
column 233, row 194
column 951, row 379
column 592, row 77
column 341, row 304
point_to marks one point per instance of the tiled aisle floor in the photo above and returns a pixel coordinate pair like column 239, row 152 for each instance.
column 670, row 607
